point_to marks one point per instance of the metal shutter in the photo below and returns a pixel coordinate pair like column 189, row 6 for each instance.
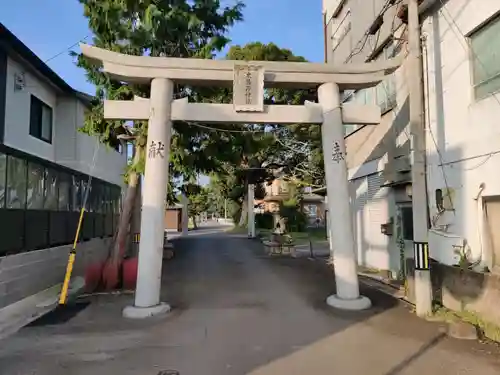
column 376, row 244
column 359, row 192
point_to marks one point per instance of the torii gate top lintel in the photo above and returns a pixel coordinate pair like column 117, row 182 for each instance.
column 142, row 69
column 249, row 80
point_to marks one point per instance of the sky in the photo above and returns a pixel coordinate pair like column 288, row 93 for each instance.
column 50, row 27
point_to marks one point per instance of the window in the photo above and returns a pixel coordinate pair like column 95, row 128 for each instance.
column 16, row 183
column 40, row 120
column 485, row 46
column 85, row 194
column 358, row 97
column 106, row 207
column 407, row 222
column 385, row 91
column 3, row 177
column 492, row 208
column 76, row 201
column 51, row 189
column 94, row 197
column 116, row 200
column 283, row 187
column 35, row 190
column 64, row 192
column 99, row 194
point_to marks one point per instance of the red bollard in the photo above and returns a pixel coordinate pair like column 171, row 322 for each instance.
column 129, row 273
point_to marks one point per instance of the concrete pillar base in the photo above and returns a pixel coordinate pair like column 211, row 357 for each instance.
column 134, row 312
column 360, row 303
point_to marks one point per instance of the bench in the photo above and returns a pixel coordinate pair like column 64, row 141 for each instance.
column 273, row 247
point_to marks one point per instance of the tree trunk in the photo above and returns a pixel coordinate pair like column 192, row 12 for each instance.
column 135, row 222
column 111, row 269
column 244, row 211
column 195, row 225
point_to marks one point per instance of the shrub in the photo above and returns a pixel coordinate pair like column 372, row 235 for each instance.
column 296, row 220
column 264, row 221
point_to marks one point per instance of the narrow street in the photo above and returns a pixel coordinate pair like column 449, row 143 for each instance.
column 238, row 312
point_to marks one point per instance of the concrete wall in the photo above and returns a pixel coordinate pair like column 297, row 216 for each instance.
column 24, row 274
column 460, row 290
column 27, row 273
column 463, row 140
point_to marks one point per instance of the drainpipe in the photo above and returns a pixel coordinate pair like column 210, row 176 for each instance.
column 480, row 222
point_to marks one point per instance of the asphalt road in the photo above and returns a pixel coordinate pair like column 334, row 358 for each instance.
column 235, row 311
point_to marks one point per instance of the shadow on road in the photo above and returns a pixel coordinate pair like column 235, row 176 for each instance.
column 408, row 361
column 235, row 311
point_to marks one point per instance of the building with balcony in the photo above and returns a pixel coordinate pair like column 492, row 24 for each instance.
column 460, row 53
column 46, row 168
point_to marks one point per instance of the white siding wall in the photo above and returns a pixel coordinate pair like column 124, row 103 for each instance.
column 17, row 116
column 466, row 132
column 65, row 129
column 79, row 151
column 69, row 147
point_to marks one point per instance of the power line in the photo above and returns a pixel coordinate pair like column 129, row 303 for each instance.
column 223, row 130
column 66, row 50
column 366, row 36
column 243, row 131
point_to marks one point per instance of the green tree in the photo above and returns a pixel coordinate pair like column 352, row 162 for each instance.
column 294, row 150
column 199, row 201
column 176, row 28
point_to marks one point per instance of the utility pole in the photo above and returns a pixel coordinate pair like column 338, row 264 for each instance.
column 251, row 214
column 422, row 280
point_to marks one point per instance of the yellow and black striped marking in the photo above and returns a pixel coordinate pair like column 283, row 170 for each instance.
column 421, row 252
column 136, row 238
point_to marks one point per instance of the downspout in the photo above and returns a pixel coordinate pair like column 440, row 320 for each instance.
column 426, row 115
column 325, row 36
column 480, row 223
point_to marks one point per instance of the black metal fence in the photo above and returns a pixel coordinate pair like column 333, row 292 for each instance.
column 40, row 204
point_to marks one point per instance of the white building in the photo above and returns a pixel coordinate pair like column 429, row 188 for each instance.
column 461, row 58
column 45, row 165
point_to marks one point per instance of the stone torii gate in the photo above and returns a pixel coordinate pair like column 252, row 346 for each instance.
column 249, row 79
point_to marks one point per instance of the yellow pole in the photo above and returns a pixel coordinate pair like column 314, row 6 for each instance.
column 71, row 261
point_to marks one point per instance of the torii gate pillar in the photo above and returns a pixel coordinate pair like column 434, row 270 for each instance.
column 342, row 247
column 248, row 107
column 147, row 294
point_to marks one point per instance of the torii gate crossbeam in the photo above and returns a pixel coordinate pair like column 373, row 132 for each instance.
column 249, row 80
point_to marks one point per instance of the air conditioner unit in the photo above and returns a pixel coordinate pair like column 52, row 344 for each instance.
column 401, row 165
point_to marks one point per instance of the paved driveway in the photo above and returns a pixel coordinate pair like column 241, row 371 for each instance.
column 239, row 312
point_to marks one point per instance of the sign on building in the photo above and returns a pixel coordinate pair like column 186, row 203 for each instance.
column 248, row 88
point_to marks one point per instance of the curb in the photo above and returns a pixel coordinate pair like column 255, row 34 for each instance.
column 381, row 286
column 21, row 313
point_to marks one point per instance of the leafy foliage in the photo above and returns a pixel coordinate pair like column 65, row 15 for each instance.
column 198, row 200
column 176, row 28
column 291, row 210
column 198, row 28
column 264, row 221
column 294, row 150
